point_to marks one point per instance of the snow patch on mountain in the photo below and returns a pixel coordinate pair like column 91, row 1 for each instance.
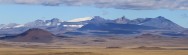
column 20, row 25
column 11, row 25
column 75, row 26
column 81, row 19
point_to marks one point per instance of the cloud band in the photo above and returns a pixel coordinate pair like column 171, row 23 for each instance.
column 117, row 4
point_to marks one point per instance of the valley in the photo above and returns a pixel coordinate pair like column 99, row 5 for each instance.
column 79, row 50
column 140, row 45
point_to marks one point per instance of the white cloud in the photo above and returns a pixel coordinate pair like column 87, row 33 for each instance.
column 118, row 4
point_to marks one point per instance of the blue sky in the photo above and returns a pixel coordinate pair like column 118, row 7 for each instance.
column 19, row 13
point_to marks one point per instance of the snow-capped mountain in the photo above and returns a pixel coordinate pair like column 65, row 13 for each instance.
column 11, row 25
column 19, row 25
column 158, row 23
column 44, row 23
column 98, row 20
column 81, row 19
column 53, row 22
column 36, row 23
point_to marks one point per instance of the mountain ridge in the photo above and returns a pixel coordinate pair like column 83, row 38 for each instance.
column 57, row 25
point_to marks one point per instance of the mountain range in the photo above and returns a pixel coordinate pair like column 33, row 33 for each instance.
column 96, row 23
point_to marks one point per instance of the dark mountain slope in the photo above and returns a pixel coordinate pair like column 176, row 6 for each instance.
column 32, row 35
column 114, row 26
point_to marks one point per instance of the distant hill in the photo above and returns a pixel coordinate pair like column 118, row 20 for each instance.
column 32, row 35
column 149, row 36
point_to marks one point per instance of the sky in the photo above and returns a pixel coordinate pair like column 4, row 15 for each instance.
column 23, row 11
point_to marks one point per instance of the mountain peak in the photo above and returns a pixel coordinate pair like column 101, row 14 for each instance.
column 161, row 22
column 98, row 18
column 53, row 22
column 123, row 17
column 38, row 20
column 122, row 20
column 56, row 19
column 161, row 17
column 35, row 23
